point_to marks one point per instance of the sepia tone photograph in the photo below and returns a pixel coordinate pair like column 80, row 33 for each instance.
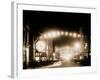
column 56, row 39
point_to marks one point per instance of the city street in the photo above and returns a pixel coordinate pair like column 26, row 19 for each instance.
column 60, row 64
column 56, row 39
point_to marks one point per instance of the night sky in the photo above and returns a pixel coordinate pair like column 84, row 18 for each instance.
column 40, row 21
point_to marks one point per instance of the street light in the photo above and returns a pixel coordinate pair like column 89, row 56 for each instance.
column 58, row 33
column 54, row 34
column 78, row 35
column 74, row 35
column 70, row 34
column 45, row 36
column 62, row 33
column 66, row 33
column 49, row 35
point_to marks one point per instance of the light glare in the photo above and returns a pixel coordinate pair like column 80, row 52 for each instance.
column 66, row 33
column 77, row 46
column 78, row 35
column 70, row 34
column 62, row 33
column 74, row 35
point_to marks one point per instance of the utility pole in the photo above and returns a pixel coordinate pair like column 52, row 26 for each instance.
column 26, row 46
column 81, row 39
